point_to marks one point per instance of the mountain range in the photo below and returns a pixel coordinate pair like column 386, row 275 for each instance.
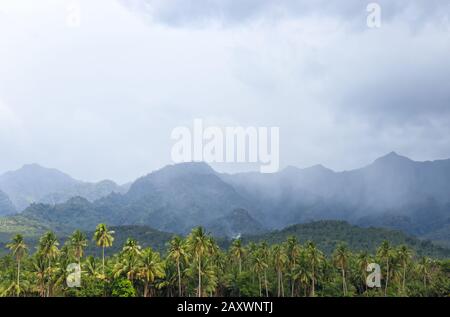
column 392, row 192
column 33, row 183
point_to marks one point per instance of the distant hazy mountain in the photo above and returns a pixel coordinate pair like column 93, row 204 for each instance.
column 90, row 191
column 33, row 183
column 393, row 192
column 234, row 224
column 6, row 206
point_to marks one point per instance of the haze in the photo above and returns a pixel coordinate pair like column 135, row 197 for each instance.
column 100, row 100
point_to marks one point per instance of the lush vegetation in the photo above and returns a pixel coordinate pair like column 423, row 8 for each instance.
column 197, row 266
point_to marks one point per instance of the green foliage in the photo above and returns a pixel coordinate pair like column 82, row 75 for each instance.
column 123, row 288
column 197, row 266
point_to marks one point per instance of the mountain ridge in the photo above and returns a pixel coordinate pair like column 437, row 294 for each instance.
column 393, row 192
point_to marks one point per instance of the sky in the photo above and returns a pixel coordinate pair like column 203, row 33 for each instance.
column 97, row 94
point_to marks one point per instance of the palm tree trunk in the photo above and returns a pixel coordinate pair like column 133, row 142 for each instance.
column 259, row 281
column 199, row 277
column 313, row 281
column 404, row 277
column 344, row 287
column 18, row 274
column 179, row 278
column 387, row 278
column 265, row 283
column 292, row 287
column 103, row 260
column 49, row 279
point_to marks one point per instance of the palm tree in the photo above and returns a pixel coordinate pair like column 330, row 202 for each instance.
column 127, row 265
column 91, row 267
column 78, row 242
column 264, row 253
column 259, row 266
column 279, row 261
column 314, row 257
column 104, row 238
column 151, row 268
column 48, row 248
column 237, row 252
column 424, row 268
column 18, row 249
column 404, row 255
column 132, row 248
column 302, row 274
column 363, row 260
column 341, row 256
column 40, row 269
column 293, row 251
column 199, row 244
column 177, row 253
column 385, row 253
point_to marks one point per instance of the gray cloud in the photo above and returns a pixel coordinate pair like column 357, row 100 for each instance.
column 228, row 12
column 100, row 101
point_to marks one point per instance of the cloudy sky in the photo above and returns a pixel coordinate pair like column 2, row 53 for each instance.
column 99, row 98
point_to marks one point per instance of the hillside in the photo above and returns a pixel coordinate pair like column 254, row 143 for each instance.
column 6, row 206
column 33, row 183
column 327, row 235
column 236, row 223
column 393, row 192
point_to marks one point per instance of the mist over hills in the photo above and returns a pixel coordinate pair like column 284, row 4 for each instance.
column 392, row 192
column 6, row 206
column 33, row 183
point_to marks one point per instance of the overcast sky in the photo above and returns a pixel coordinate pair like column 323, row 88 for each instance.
column 100, row 100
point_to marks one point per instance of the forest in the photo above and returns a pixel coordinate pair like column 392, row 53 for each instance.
column 195, row 265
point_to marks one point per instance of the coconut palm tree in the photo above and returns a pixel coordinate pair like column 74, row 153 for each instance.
column 293, row 250
column 315, row 257
column 264, row 253
column 199, row 245
column 404, row 256
column 177, row 253
column 19, row 250
column 78, row 242
column 151, row 268
column 127, row 265
column 341, row 257
column 91, row 267
column 363, row 260
column 104, row 239
column 48, row 248
column 40, row 270
column 424, row 268
column 259, row 266
column 279, row 261
column 132, row 248
column 237, row 251
column 302, row 274
column 384, row 252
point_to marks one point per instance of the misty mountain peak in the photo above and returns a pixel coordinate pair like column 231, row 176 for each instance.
column 392, row 158
column 187, row 168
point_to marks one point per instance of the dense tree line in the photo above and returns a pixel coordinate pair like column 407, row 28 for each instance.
column 197, row 266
